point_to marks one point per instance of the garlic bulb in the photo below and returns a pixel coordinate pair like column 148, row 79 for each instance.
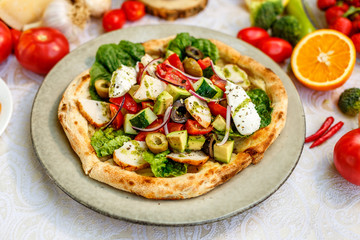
column 98, row 7
column 68, row 16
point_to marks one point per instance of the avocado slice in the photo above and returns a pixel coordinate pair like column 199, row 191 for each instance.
column 223, row 153
column 163, row 101
column 196, row 142
column 177, row 92
column 178, row 140
column 219, row 123
column 132, row 91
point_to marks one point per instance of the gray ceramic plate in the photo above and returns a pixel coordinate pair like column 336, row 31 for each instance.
column 242, row 192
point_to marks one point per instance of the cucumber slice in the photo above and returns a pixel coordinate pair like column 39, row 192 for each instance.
column 205, row 88
column 143, row 118
column 127, row 124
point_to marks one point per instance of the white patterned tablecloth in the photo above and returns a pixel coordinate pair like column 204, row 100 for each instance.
column 314, row 203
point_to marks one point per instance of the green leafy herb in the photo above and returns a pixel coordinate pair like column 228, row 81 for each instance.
column 109, row 57
column 262, row 105
column 182, row 40
column 106, row 142
column 179, row 43
column 164, row 167
column 207, row 48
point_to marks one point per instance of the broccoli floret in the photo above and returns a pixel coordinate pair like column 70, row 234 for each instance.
column 349, row 101
column 263, row 14
column 288, row 28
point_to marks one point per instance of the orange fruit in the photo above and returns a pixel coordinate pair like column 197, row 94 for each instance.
column 324, row 59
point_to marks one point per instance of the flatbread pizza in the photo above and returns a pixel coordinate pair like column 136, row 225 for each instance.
column 171, row 118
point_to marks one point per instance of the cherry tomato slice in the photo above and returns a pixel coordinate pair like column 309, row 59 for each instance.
column 147, row 104
column 218, row 82
column 171, row 76
column 204, row 63
column 175, row 61
column 217, row 109
column 129, row 103
column 119, row 120
column 173, row 127
column 194, row 128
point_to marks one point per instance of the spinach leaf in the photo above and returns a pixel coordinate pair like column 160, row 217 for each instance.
column 135, row 50
column 206, row 47
column 164, row 167
column 262, row 105
column 97, row 71
column 179, row 43
column 182, row 40
column 106, row 142
column 109, row 57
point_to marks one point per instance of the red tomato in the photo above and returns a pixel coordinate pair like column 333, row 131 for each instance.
column 5, row 41
column 119, row 120
column 175, row 61
column 276, row 48
column 15, row 35
column 140, row 73
column 204, row 63
column 253, row 35
column 218, row 82
column 147, row 104
column 217, row 109
column 39, row 49
column 173, row 127
column 347, row 156
column 194, row 128
column 113, row 19
column 171, row 75
column 129, row 103
column 134, row 10
column 142, row 135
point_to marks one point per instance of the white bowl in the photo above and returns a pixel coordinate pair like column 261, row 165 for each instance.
column 6, row 105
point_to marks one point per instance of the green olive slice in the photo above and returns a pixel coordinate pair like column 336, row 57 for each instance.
column 156, row 142
column 192, row 67
column 102, row 88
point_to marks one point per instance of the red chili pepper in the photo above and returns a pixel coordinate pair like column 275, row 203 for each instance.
column 328, row 134
column 321, row 131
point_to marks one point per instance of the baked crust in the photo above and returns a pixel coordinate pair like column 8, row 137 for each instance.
column 199, row 180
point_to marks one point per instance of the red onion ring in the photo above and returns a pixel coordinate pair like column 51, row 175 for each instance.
column 142, row 73
column 166, row 129
column 216, row 72
column 227, row 131
column 165, row 121
column 183, row 73
column 114, row 117
column 205, row 98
